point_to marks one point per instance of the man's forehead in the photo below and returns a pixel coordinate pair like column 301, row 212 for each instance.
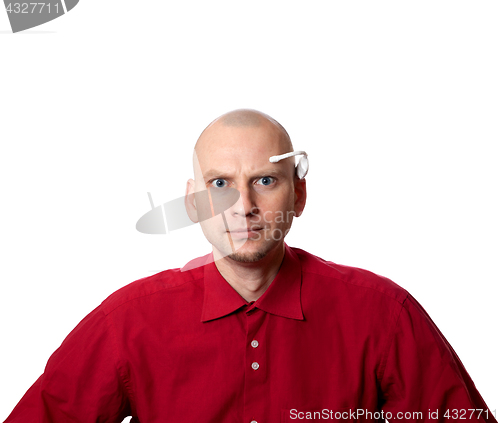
column 255, row 152
column 229, row 164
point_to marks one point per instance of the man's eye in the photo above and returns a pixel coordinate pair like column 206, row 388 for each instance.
column 266, row 180
column 219, row 183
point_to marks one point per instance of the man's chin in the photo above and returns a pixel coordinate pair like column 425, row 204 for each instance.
column 251, row 251
column 247, row 257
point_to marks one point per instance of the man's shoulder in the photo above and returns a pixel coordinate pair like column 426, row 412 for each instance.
column 354, row 279
column 157, row 284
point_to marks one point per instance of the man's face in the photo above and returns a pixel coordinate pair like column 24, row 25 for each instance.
column 238, row 157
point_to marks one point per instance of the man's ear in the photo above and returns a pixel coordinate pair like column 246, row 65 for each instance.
column 190, row 202
column 300, row 196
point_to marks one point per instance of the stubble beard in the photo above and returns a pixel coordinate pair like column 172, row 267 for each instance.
column 248, row 257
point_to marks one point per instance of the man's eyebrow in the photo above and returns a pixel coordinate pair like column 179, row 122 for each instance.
column 213, row 173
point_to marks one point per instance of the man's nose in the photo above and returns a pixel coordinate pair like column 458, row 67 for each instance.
column 246, row 203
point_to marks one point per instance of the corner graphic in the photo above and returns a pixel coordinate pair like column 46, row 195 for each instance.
column 25, row 15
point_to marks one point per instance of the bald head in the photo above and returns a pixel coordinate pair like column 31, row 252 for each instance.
column 243, row 117
column 247, row 118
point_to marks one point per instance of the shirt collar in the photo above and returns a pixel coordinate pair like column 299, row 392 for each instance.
column 281, row 298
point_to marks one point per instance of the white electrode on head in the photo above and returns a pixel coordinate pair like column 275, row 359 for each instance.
column 301, row 168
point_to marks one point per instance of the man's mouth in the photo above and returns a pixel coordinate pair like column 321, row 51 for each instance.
column 245, row 232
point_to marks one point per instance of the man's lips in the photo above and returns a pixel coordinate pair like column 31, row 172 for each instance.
column 246, row 229
column 244, row 232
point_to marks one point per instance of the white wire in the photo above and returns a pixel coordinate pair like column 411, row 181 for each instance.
column 275, row 159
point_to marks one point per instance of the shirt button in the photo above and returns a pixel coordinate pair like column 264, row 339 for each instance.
column 253, row 421
column 255, row 365
column 254, row 344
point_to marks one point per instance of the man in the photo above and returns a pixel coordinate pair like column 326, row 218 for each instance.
column 256, row 331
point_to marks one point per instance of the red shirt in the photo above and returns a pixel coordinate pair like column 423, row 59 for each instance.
column 323, row 341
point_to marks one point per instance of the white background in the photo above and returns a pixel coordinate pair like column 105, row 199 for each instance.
column 397, row 104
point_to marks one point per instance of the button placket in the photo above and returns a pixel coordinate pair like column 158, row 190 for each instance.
column 256, row 358
column 256, row 393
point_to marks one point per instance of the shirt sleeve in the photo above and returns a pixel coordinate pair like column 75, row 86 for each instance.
column 82, row 381
column 424, row 374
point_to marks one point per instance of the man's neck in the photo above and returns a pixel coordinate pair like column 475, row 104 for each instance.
column 251, row 280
